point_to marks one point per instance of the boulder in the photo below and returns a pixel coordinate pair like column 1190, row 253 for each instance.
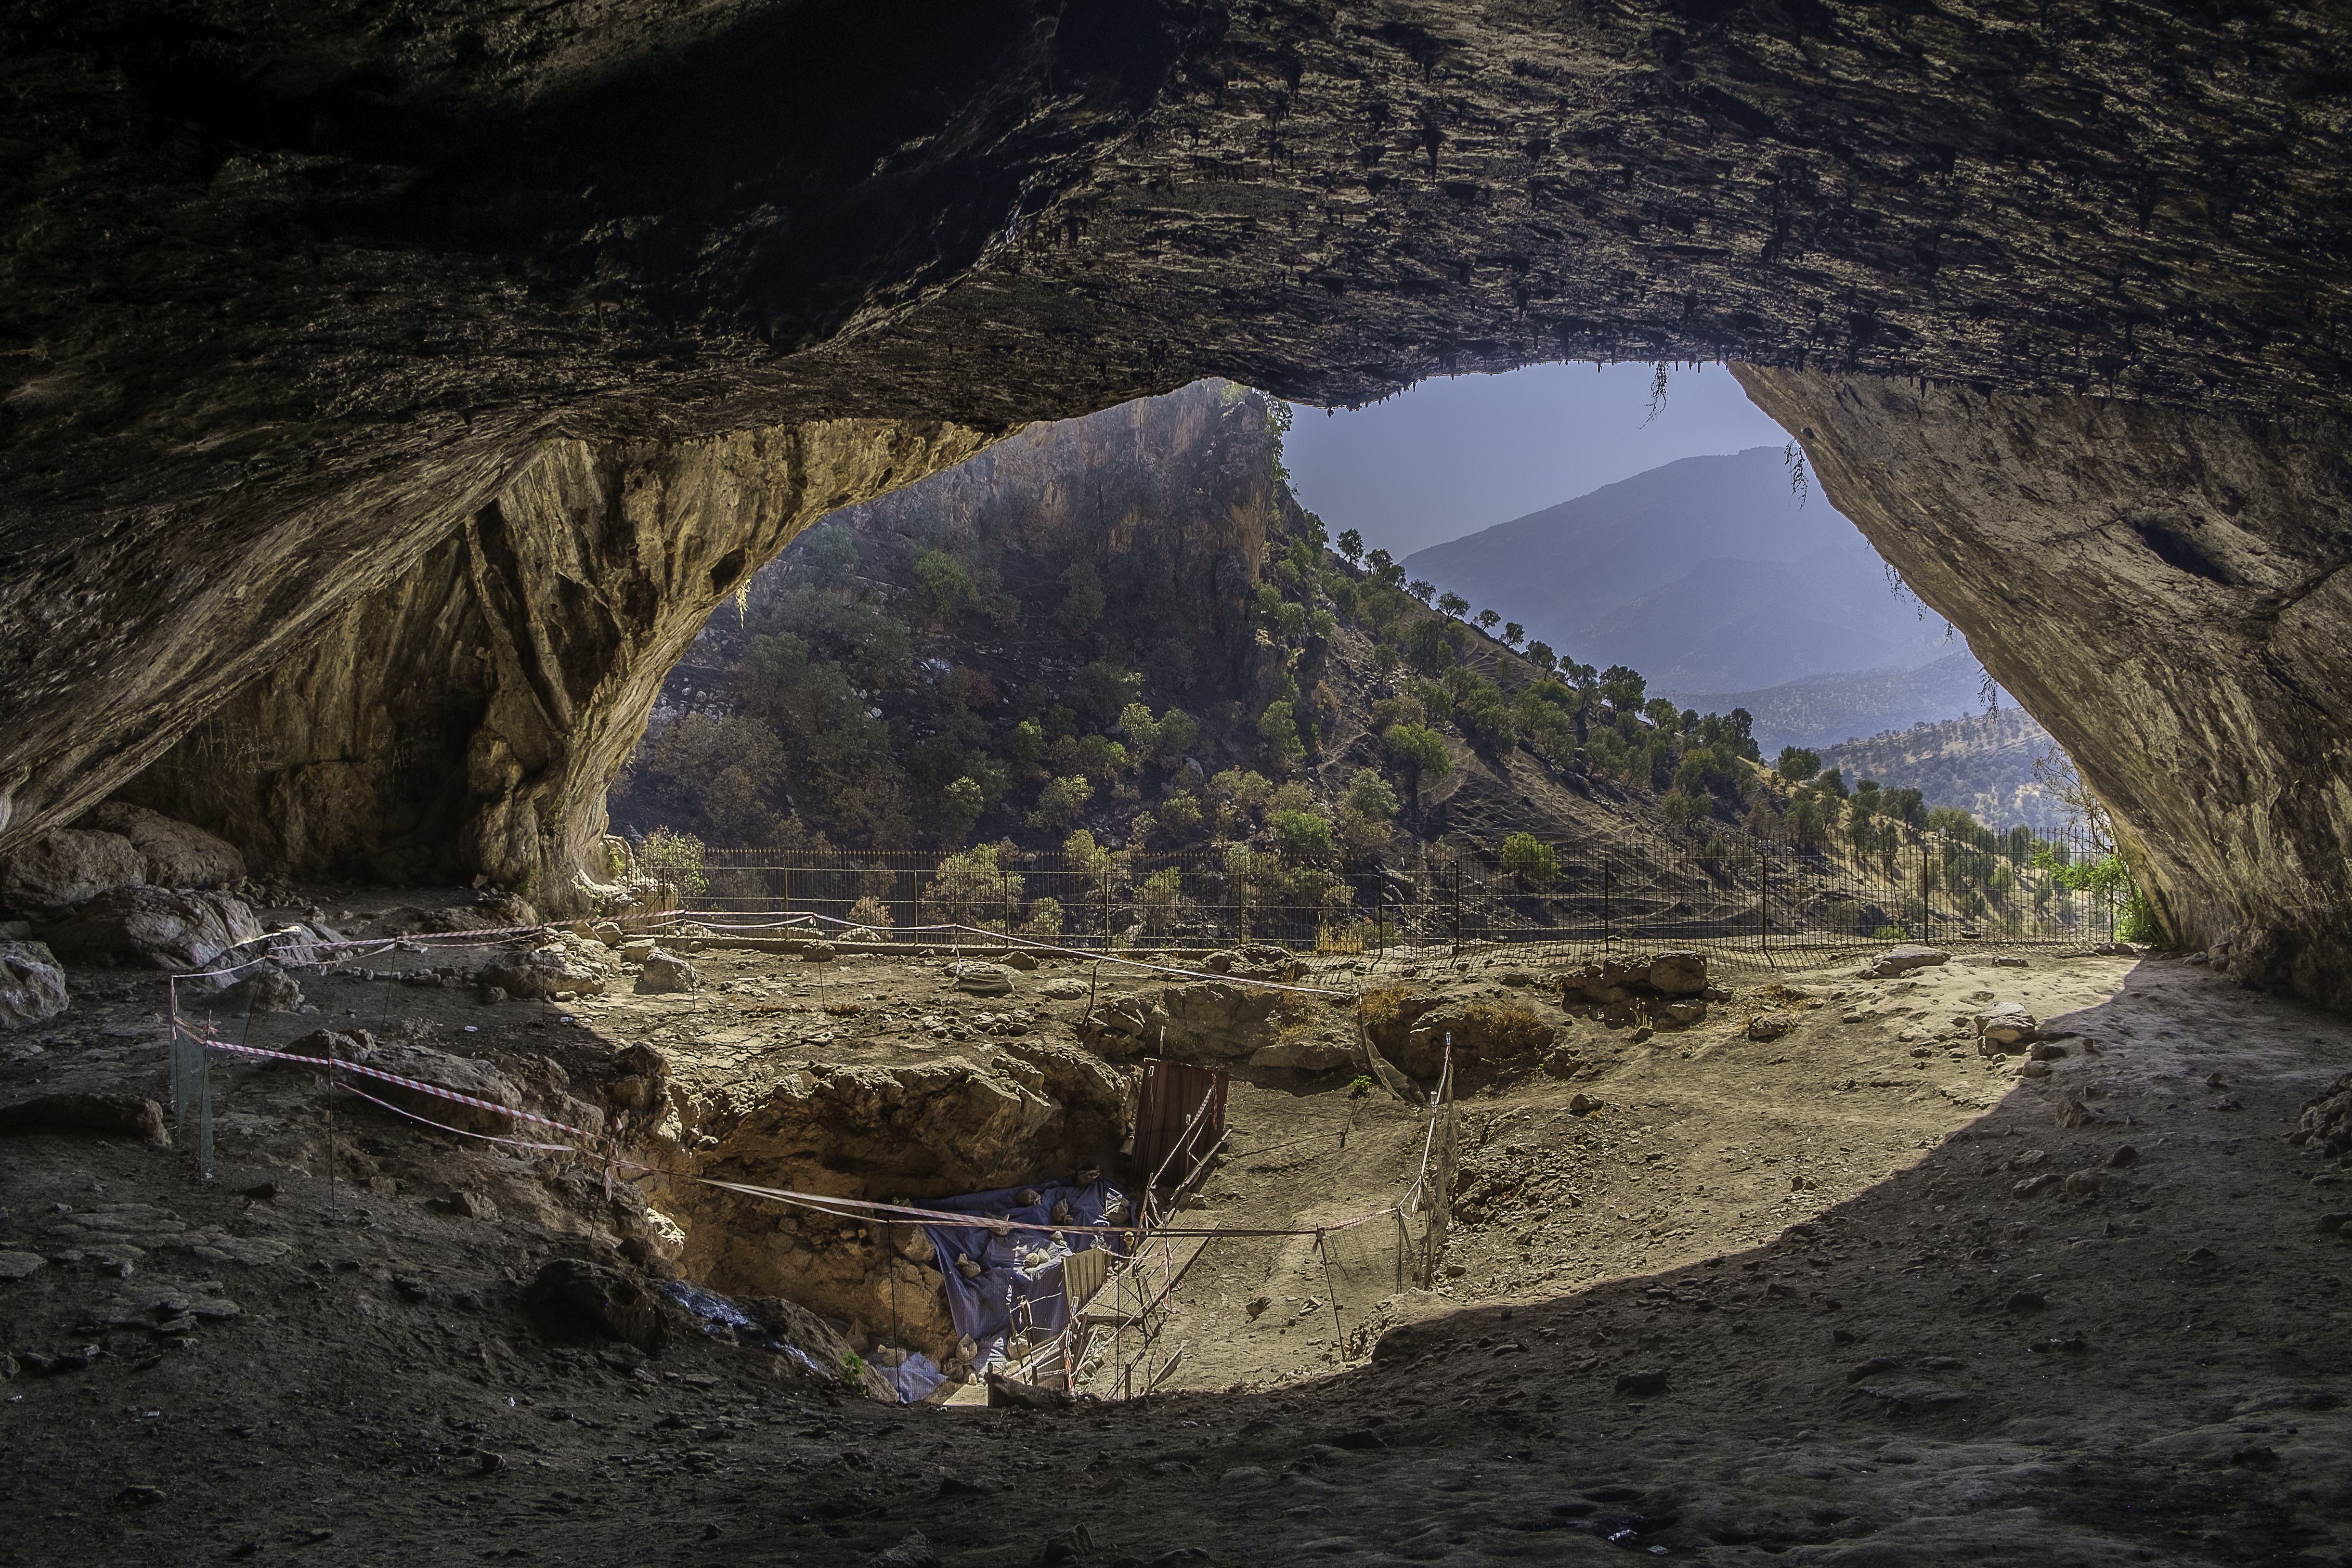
column 818, row 952
column 633, row 949
column 1682, row 1015
column 579, row 967
column 589, row 1297
column 984, row 979
column 154, row 928
column 1902, row 959
column 174, row 854
column 2003, row 1025
column 1209, row 1020
column 67, row 866
column 1306, row 1055
column 267, row 989
column 1063, row 989
column 89, row 1115
column 1017, row 959
column 1770, row 1025
column 666, row 972
column 32, row 985
column 1679, row 974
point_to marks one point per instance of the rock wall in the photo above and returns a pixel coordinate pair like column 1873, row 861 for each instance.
column 2167, row 592
column 468, row 717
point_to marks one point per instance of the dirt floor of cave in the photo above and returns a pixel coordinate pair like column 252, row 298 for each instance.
column 1880, row 1390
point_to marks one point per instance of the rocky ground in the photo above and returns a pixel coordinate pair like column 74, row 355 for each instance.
column 1850, row 1294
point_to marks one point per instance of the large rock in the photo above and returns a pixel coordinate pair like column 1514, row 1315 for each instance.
column 1902, row 959
column 32, row 985
column 575, row 967
column 174, row 854
column 571, row 1293
column 67, row 866
column 1306, row 1055
column 87, row 1115
column 476, row 1079
column 664, row 973
column 1680, row 974
column 2005, row 1025
column 157, row 928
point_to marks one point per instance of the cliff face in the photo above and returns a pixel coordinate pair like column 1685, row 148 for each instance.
column 290, row 295
column 468, row 717
column 2168, row 594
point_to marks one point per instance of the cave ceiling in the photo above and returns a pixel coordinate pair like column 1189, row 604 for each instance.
column 290, row 293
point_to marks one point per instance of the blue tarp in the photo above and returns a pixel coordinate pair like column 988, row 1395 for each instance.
column 913, row 1378
column 1007, row 1296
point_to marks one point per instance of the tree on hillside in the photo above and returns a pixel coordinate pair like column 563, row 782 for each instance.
column 943, row 581
column 1421, row 588
column 1512, row 632
column 1351, row 546
column 1488, row 620
column 1450, row 604
column 1419, row 752
column 1796, row 764
column 1540, row 655
column 1379, row 560
column 1622, row 687
column 1529, row 858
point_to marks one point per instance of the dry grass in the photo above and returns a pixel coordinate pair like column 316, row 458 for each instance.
column 844, row 1010
column 1379, row 1005
column 1509, row 1026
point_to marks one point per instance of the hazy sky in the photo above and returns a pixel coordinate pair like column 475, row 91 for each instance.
column 1453, row 456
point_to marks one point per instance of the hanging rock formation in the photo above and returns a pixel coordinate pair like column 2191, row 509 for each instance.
column 309, row 315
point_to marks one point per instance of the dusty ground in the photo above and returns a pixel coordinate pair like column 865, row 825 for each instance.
column 1879, row 1389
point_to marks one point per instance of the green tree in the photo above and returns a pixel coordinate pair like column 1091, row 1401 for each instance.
column 1621, row 687
column 960, row 804
column 1679, row 807
column 1278, row 727
column 674, row 858
column 1368, row 795
column 1082, row 598
column 1061, row 800
column 1488, row 620
column 1512, row 632
column 1529, row 858
column 1450, row 603
column 1540, row 655
column 1351, row 546
column 943, row 581
column 1796, row 764
column 1420, row 752
column 1421, row 588
column 1304, row 837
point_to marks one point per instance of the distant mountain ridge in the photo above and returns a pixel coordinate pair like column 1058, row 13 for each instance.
column 1824, row 710
column 1700, row 573
column 1982, row 762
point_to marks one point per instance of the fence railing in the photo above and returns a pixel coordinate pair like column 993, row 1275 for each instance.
column 1725, row 889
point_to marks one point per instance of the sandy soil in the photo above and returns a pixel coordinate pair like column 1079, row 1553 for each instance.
column 2135, row 1361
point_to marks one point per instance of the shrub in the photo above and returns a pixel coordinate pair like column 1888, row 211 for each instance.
column 871, row 911
column 852, row 1370
column 1061, row 800
column 674, row 858
column 1045, row 917
column 1370, row 796
column 1515, row 1028
column 1082, row 601
column 1380, row 1004
column 1304, row 836
column 1527, row 857
column 1358, row 1086
column 1181, row 815
column 1278, row 727
column 960, row 804
column 971, row 886
column 1419, row 750
column 1890, row 933
column 1678, row 808
column 1160, row 900
column 943, row 581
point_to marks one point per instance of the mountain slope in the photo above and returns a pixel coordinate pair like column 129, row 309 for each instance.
column 1618, row 576
column 1981, row 761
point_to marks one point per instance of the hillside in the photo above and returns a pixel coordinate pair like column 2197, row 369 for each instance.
column 1824, row 710
column 1982, row 762
column 1703, row 573
column 1125, row 626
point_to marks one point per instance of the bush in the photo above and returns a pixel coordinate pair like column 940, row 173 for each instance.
column 1278, row 727
column 1045, row 917
column 1181, row 815
column 1890, row 933
column 1369, row 796
column 1061, row 800
column 943, row 581
column 1160, row 900
column 1304, row 836
column 961, row 804
column 676, row 858
column 1358, row 1086
column 1513, row 1028
column 852, row 1371
column 1527, row 857
column 1419, row 750
column 871, row 911
column 1083, row 600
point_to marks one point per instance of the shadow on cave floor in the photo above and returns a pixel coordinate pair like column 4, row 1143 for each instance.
column 2144, row 1363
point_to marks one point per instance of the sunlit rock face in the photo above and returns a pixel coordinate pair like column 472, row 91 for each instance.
column 292, row 297
column 2166, row 591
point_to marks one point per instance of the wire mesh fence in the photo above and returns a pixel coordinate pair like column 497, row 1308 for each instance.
column 1721, row 890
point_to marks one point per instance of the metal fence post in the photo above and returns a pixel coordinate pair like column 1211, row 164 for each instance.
column 1764, row 897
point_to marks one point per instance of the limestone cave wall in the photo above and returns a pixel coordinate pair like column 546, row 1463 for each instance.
column 468, row 717
column 2168, row 591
